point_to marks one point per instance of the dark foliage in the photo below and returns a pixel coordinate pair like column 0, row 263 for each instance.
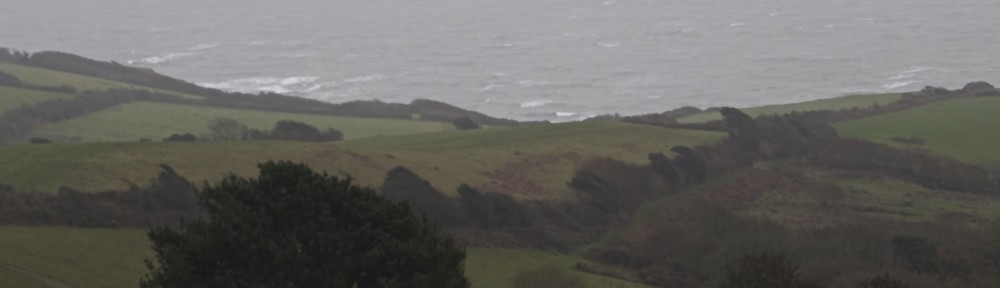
column 741, row 126
column 979, row 87
column 9, row 80
column 765, row 269
column 491, row 210
column 926, row 170
column 39, row 140
column 884, row 281
column 167, row 198
column 186, row 137
column 292, row 227
column 297, row 131
column 401, row 184
column 663, row 119
column 465, row 123
column 666, row 168
column 691, row 164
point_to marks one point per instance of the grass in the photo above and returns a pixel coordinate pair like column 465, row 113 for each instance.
column 863, row 198
column 532, row 162
column 114, row 258
column 45, row 77
column 13, row 98
column 496, row 268
column 132, row 121
column 845, row 102
column 74, row 257
column 964, row 128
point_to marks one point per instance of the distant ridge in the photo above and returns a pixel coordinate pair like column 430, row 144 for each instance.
column 65, row 62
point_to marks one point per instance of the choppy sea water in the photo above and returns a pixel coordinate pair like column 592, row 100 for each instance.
column 529, row 59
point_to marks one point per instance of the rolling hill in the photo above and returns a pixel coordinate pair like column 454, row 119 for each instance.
column 13, row 97
column 963, row 128
column 837, row 103
column 151, row 120
column 529, row 162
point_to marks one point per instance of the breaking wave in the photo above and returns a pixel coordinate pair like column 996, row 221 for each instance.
column 535, row 104
column 161, row 59
column 268, row 84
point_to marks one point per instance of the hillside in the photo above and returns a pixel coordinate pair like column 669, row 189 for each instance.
column 529, row 162
column 13, row 98
column 963, row 128
column 832, row 104
column 151, row 120
column 50, row 78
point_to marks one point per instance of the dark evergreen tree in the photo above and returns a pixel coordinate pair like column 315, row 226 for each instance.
column 691, row 163
column 665, row 167
column 741, row 126
column 292, row 227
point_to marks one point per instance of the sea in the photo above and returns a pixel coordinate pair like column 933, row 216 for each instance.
column 557, row 60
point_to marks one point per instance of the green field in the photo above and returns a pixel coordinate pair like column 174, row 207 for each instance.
column 13, row 98
column 871, row 198
column 845, row 102
column 72, row 257
column 531, row 162
column 45, row 77
column 130, row 122
column 50, row 256
column 964, row 128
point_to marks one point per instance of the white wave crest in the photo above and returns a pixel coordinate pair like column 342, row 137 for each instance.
column 608, row 44
column 362, row 79
column 161, row 59
column 490, row 87
column 565, row 114
column 301, row 84
column 535, row 104
column 895, row 85
column 205, row 46
column 532, row 83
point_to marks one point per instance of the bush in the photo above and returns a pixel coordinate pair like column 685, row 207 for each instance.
column 39, row 140
column 884, row 281
column 771, row 270
column 224, row 128
column 299, row 131
column 465, row 123
column 186, row 137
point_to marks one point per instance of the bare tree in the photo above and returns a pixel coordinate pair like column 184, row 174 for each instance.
column 224, row 128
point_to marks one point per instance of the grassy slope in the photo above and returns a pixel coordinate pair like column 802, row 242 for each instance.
column 156, row 121
column 868, row 198
column 79, row 257
column 13, row 98
column 45, row 77
column 845, row 102
column 114, row 258
column 964, row 128
column 529, row 162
